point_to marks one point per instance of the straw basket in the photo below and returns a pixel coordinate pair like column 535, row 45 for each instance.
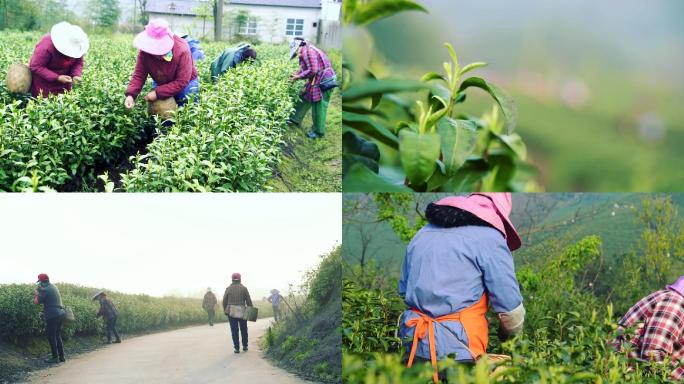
column 18, row 78
column 163, row 108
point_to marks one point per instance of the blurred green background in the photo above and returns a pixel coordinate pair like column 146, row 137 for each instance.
column 599, row 85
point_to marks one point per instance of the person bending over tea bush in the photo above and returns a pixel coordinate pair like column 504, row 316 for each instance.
column 315, row 67
column 109, row 313
column 168, row 60
column 48, row 295
column 653, row 329
column 454, row 267
column 230, row 58
column 57, row 61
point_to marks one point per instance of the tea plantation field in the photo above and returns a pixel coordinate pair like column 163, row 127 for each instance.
column 87, row 141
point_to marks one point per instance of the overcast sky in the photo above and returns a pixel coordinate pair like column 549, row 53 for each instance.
column 166, row 243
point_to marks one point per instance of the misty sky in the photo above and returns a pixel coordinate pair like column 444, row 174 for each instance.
column 646, row 36
column 166, row 243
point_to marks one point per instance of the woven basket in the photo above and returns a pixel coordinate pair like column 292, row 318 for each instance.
column 163, row 108
column 18, row 78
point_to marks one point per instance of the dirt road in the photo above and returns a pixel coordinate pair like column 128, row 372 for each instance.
column 202, row 355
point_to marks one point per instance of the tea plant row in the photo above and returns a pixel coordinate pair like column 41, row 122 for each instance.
column 230, row 141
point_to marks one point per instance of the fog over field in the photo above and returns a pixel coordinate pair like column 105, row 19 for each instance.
column 162, row 244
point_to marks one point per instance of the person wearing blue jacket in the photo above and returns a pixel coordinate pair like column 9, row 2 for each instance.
column 457, row 267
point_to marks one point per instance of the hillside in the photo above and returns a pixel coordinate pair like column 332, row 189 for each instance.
column 563, row 217
column 307, row 341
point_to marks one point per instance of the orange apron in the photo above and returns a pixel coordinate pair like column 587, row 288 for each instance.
column 473, row 321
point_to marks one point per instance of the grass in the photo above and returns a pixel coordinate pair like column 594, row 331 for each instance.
column 312, row 165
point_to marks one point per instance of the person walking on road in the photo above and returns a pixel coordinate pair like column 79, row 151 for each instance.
column 275, row 299
column 237, row 295
column 48, row 295
column 109, row 313
column 209, row 305
column 653, row 329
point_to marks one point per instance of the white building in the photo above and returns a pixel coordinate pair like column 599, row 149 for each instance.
column 269, row 21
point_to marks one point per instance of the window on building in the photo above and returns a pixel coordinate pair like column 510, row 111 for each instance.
column 248, row 26
column 295, row 27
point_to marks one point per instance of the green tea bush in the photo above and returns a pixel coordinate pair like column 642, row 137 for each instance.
column 53, row 142
column 307, row 341
column 403, row 134
column 21, row 320
column 229, row 142
column 566, row 338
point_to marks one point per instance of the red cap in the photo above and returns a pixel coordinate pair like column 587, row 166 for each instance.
column 237, row 276
column 43, row 277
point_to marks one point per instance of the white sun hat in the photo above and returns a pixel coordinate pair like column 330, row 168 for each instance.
column 69, row 39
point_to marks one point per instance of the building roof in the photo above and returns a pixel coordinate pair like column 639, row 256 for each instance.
column 281, row 3
column 190, row 7
column 176, row 7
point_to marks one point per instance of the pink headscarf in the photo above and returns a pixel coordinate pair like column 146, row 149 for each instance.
column 494, row 208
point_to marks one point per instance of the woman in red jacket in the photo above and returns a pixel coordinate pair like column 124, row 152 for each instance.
column 168, row 60
column 57, row 60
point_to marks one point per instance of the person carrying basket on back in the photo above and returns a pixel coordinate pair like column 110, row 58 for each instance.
column 455, row 268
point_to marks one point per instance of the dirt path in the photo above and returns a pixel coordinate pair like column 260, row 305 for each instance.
column 201, row 355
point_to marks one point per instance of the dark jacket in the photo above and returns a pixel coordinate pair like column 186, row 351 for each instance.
column 107, row 309
column 209, row 301
column 230, row 58
column 49, row 296
column 236, row 294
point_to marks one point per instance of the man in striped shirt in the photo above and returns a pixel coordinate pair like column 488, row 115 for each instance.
column 237, row 294
column 315, row 67
column 657, row 322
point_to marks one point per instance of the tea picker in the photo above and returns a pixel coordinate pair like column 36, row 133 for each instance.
column 209, row 304
column 54, row 314
column 275, row 299
column 56, row 63
column 166, row 58
column 658, row 322
column 109, row 313
column 237, row 305
column 455, row 267
column 316, row 69
column 230, row 58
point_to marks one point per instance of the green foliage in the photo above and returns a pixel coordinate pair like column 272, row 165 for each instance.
column 21, row 320
column 230, row 141
column 391, row 208
column 566, row 337
column 105, row 13
column 362, row 12
column 307, row 341
column 437, row 148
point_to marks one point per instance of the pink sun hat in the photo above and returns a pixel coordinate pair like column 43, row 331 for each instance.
column 678, row 286
column 156, row 39
column 494, row 208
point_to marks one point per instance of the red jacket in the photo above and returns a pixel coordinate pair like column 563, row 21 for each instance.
column 171, row 76
column 47, row 63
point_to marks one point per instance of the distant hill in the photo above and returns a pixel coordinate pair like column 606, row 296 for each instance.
column 562, row 216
